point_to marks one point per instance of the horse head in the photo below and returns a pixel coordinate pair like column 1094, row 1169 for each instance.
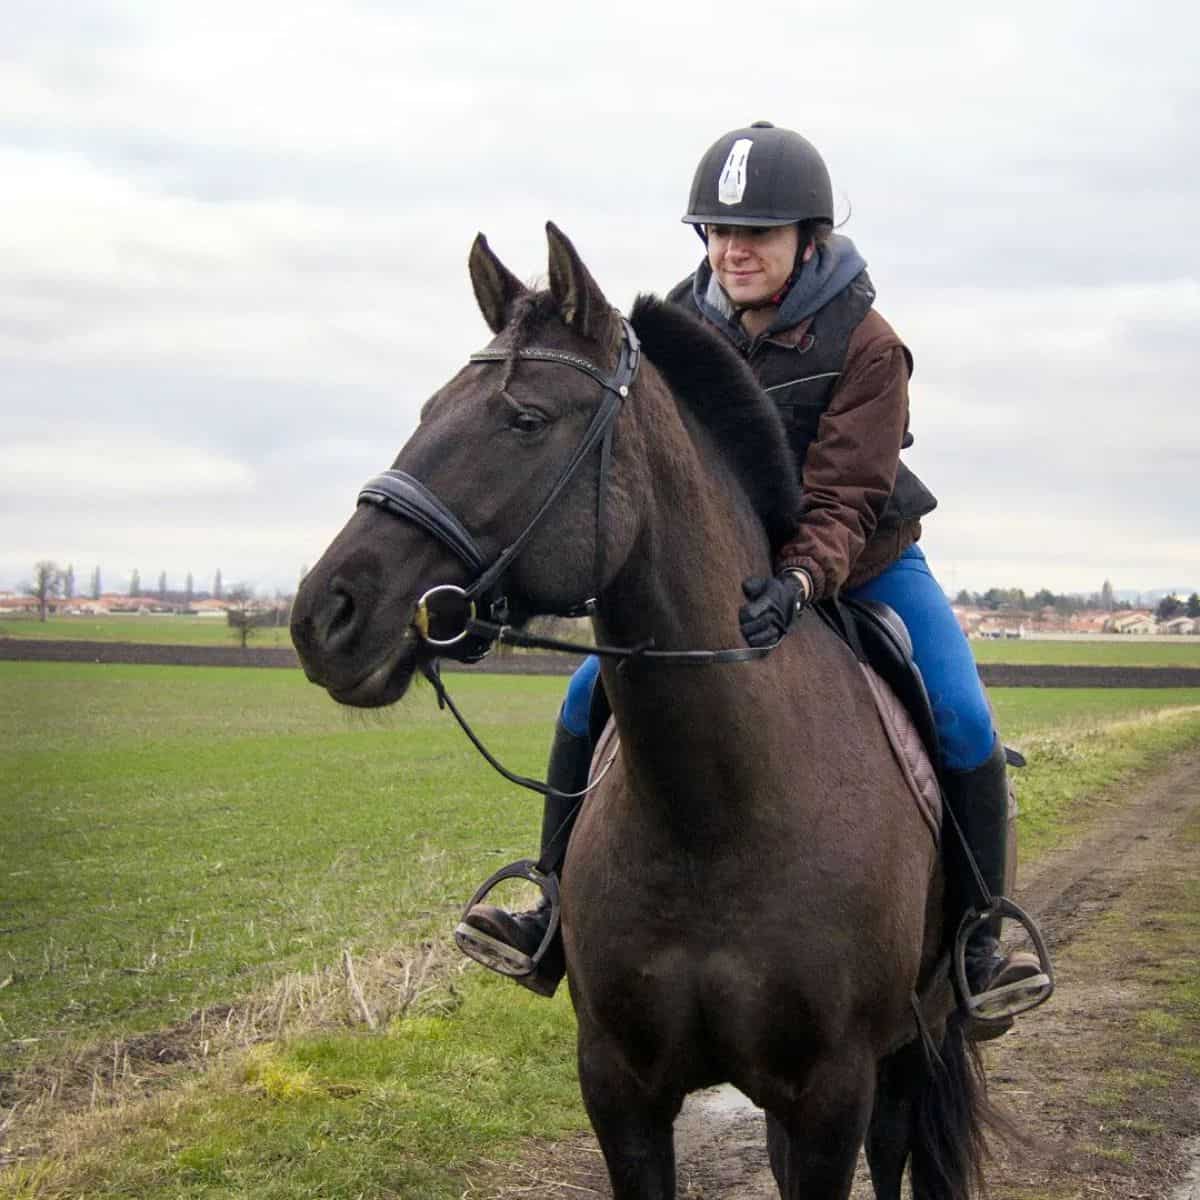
column 487, row 468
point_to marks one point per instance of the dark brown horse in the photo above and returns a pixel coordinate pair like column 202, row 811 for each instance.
column 751, row 894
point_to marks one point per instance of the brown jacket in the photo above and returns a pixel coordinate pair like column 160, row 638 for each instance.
column 849, row 472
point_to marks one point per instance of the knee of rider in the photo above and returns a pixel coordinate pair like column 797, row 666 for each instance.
column 967, row 735
column 577, row 703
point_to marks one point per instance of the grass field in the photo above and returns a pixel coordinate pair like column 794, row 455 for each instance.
column 207, row 631
column 181, row 840
column 156, row 630
column 1168, row 652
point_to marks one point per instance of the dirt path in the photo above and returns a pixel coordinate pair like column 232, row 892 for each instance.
column 1052, row 1072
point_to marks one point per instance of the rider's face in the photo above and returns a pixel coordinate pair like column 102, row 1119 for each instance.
column 751, row 263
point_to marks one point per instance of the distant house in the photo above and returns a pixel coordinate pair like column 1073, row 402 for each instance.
column 1178, row 625
column 209, row 608
column 1134, row 622
column 1089, row 622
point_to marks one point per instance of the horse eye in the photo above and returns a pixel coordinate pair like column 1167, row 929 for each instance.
column 526, row 420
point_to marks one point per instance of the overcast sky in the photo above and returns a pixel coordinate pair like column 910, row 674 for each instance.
column 233, row 240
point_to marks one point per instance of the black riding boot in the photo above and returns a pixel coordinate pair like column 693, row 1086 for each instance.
column 979, row 801
column 506, row 942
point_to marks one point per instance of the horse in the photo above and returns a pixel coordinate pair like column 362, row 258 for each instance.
column 750, row 894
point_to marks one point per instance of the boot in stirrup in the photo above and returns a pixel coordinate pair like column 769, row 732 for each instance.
column 994, row 986
column 528, row 945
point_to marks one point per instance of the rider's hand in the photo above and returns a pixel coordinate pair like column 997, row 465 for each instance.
column 773, row 605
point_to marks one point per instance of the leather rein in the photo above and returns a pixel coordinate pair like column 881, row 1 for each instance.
column 471, row 637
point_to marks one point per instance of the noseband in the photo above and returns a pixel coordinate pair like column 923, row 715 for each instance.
column 404, row 496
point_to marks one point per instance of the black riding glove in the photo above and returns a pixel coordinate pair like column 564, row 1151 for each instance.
column 774, row 604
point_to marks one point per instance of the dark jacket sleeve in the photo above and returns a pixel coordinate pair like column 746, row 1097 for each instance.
column 850, row 468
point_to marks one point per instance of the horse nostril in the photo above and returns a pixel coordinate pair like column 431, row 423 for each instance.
column 342, row 615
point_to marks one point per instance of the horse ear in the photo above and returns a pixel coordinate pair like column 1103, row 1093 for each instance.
column 496, row 287
column 580, row 301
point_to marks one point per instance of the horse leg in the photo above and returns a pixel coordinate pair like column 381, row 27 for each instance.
column 813, row 1143
column 889, row 1136
column 636, row 1131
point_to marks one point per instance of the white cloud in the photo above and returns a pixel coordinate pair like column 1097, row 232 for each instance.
column 235, row 237
column 97, row 471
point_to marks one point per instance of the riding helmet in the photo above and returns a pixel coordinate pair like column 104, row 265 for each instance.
column 760, row 175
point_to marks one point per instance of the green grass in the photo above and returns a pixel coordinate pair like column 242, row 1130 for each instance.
column 1167, row 652
column 1081, row 742
column 344, row 1116
column 181, row 837
column 155, row 630
column 175, row 836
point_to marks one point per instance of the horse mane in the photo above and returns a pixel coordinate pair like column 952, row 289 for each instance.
column 721, row 392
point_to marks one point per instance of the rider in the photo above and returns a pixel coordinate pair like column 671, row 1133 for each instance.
column 795, row 300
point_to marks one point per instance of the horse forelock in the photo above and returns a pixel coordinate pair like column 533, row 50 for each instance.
column 529, row 316
column 721, row 392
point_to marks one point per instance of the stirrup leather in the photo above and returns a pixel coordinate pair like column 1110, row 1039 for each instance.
column 997, row 1007
column 497, row 955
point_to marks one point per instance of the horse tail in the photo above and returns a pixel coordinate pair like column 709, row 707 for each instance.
column 951, row 1122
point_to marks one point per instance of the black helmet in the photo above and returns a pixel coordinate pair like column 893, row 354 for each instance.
column 760, row 176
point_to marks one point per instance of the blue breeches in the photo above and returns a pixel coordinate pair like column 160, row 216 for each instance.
column 960, row 708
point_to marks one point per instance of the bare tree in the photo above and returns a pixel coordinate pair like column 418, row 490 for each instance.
column 68, row 586
column 189, row 591
column 241, row 612
column 217, row 585
column 135, row 583
column 96, row 593
column 47, row 583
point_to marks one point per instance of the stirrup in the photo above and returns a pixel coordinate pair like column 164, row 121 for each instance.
column 995, row 1009
column 497, row 955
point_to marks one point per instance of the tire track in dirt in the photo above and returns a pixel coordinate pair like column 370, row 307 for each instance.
column 720, row 1136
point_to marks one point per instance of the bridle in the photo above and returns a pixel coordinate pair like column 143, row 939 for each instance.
column 456, row 630
column 402, row 495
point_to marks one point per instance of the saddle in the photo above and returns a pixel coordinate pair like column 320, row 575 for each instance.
column 880, row 640
column 877, row 636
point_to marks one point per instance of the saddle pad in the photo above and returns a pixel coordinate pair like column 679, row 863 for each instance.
column 902, row 736
column 909, row 751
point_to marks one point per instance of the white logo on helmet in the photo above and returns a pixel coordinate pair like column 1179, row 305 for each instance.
column 731, row 187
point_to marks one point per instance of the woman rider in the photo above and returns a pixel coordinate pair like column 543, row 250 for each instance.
column 795, row 300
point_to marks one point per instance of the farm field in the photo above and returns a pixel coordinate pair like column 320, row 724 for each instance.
column 1167, row 652
column 199, row 840
column 154, row 630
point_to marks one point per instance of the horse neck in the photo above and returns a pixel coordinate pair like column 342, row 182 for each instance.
column 681, row 586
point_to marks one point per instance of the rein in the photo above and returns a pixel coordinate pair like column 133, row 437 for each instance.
column 406, row 497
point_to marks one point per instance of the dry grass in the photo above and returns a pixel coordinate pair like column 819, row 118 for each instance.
column 68, row 1099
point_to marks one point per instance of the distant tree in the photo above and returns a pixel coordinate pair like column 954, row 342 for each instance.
column 1106, row 596
column 963, row 598
column 1193, row 605
column 162, row 586
column 135, row 583
column 96, row 592
column 1045, row 598
column 69, row 582
column 241, row 612
column 1168, row 608
column 217, row 585
column 47, row 583
column 189, row 591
